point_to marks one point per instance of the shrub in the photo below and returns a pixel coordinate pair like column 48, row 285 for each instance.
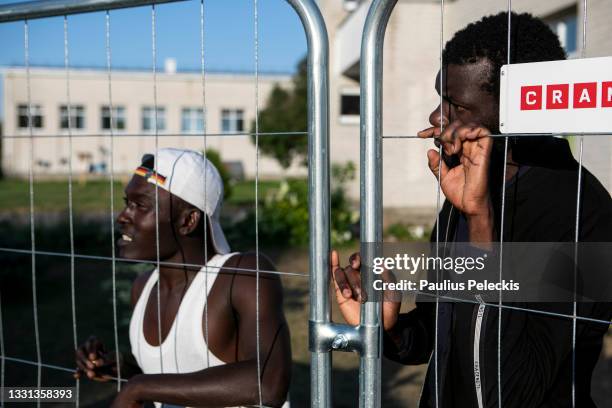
column 399, row 232
column 284, row 217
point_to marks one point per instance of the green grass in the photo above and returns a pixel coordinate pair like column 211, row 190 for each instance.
column 94, row 195
column 243, row 193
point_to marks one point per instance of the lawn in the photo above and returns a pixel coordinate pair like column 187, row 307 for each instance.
column 243, row 193
column 52, row 196
column 94, row 195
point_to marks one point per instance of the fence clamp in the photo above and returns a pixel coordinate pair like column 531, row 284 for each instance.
column 325, row 337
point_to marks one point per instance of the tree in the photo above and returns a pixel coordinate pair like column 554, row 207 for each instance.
column 286, row 111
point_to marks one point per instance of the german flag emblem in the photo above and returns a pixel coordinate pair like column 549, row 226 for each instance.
column 151, row 176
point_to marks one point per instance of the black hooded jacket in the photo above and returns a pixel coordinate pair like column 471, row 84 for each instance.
column 536, row 349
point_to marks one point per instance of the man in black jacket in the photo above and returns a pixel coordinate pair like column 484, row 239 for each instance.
column 540, row 206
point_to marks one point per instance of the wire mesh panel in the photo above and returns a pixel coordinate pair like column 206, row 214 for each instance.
column 436, row 388
column 112, row 124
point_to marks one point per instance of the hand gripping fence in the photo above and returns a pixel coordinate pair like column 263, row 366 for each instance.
column 318, row 157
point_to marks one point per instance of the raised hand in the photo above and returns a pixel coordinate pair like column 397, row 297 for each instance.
column 350, row 294
column 347, row 282
column 466, row 185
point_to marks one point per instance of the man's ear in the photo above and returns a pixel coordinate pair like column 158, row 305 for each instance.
column 190, row 220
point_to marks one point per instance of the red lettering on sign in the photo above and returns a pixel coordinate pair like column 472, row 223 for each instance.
column 531, row 97
column 606, row 94
column 557, row 96
column 585, row 95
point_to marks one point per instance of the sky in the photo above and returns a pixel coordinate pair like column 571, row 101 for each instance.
column 229, row 37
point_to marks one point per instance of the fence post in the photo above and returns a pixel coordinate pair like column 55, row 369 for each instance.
column 318, row 186
column 371, row 189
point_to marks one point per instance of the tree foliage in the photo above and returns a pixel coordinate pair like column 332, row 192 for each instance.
column 286, row 111
column 283, row 217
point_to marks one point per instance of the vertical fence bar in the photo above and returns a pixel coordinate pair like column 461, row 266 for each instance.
column 155, row 163
column 32, row 209
column 576, row 240
column 112, row 194
column 318, row 186
column 577, row 227
column 501, row 227
column 257, row 323
column 70, row 201
column 204, row 126
column 371, row 187
column 438, row 206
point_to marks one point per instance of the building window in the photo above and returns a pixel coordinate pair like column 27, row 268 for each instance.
column 35, row 113
column 232, row 120
column 118, row 118
column 148, row 118
column 192, row 120
column 564, row 24
column 77, row 117
column 349, row 106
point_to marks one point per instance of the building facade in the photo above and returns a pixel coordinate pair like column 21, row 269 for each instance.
column 180, row 118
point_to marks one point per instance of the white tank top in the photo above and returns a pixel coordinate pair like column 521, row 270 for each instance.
column 184, row 350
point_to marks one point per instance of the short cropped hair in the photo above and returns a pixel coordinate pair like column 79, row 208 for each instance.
column 531, row 41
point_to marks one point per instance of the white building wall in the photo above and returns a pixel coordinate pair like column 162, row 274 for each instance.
column 598, row 151
column 132, row 90
column 411, row 59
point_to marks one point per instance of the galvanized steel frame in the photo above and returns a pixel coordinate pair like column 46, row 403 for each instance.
column 366, row 338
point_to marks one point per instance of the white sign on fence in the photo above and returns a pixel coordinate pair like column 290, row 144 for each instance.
column 557, row 96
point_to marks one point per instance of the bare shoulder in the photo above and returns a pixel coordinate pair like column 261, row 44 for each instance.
column 243, row 267
column 138, row 285
column 247, row 262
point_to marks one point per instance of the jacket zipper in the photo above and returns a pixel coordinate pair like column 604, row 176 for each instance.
column 478, row 334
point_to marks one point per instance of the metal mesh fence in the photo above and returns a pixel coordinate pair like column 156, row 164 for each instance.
column 44, row 9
